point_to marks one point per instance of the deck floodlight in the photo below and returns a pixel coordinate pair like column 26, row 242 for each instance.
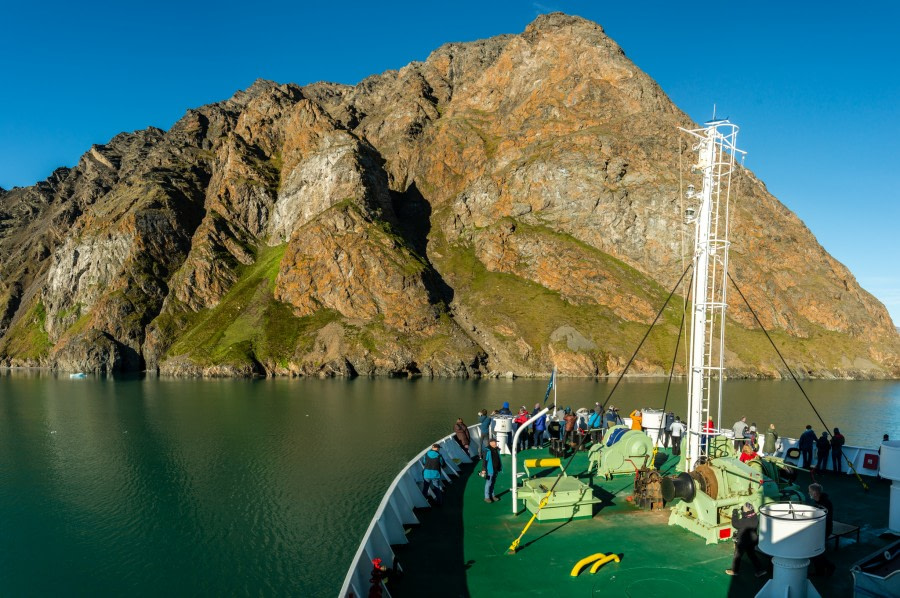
column 690, row 215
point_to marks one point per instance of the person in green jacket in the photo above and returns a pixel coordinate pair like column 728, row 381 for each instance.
column 769, row 443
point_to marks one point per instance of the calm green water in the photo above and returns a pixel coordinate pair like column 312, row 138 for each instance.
column 150, row 486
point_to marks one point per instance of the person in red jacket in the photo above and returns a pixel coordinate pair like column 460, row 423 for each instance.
column 747, row 454
column 708, row 430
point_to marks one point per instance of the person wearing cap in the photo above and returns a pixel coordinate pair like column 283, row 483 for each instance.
column 492, row 468
column 746, row 538
column 433, row 462
column 505, row 409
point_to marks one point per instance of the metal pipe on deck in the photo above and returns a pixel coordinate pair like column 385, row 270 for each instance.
column 515, row 446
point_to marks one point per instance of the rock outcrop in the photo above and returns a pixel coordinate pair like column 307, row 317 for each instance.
column 504, row 206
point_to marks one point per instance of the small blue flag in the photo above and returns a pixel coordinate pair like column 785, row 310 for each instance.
column 550, row 386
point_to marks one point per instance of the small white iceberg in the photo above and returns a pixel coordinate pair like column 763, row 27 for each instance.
column 78, row 375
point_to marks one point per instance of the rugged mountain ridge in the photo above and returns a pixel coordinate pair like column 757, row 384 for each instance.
column 505, row 205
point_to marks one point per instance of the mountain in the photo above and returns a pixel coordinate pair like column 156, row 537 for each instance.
column 506, row 205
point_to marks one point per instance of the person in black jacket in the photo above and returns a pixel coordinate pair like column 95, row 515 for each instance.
column 667, row 428
column 745, row 539
column 805, row 444
column 823, row 447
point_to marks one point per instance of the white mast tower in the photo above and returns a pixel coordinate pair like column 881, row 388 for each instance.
column 716, row 149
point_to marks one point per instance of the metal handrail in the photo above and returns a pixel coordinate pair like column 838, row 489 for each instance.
column 515, row 484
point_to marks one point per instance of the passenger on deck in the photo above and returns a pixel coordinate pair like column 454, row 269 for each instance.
column 667, row 428
column 518, row 422
column 708, row 431
column 822, row 449
column 484, row 423
column 677, row 431
column 745, row 539
column 561, row 420
column 492, row 467
column 570, row 419
column 540, row 429
column 505, row 409
column 739, row 428
column 769, row 443
column 805, row 444
column 532, row 429
column 612, row 417
column 433, row 462
column 461, row 434
column 837, row 454
column 595, row 425
column 753, row 437
column 380, row 575
column 821, row 564
column 747, row 454
column 637, row 420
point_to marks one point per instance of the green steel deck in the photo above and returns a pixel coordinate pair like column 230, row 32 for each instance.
column 460, row 549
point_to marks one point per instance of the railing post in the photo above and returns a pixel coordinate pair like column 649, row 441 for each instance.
column 515, row 446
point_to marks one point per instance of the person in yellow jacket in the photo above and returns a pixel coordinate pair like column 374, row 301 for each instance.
column 637, row 420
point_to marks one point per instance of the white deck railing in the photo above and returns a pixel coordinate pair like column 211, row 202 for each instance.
column 396, row 511
column 865, row 460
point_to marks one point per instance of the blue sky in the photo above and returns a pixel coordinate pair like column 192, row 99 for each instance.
column 815, row 86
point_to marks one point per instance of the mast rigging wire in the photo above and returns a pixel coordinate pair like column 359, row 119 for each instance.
column 791, row 372
column 646, row 334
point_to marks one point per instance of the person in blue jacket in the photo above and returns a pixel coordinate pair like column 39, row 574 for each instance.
column 540, row 428
column 806, row 443
column 595, row 425
column 505, row 409
column 484, row 425
column 433, row 462
column 492, row 467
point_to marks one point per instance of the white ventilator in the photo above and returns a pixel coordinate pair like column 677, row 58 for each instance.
column 716, row 151
column 792, row 534
column 889, row 469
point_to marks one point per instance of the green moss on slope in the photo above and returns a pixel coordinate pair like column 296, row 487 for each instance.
column 248, row 325
column 27, row 338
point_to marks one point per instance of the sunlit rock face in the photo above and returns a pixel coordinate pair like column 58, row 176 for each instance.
column 507, row 205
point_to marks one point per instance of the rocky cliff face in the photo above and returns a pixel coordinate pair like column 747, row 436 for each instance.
column 506, row 205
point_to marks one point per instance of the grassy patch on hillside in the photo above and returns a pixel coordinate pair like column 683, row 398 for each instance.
column 500, row 299
column 248, row 325
column 27, row 338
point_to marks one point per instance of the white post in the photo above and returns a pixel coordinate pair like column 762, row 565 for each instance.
column 715, row 163
column 696, row 422
column 515, row 482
